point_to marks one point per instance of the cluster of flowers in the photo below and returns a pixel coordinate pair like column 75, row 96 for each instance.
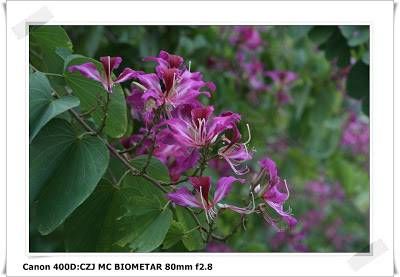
column 355, row 136
column 322, row 195
column 184, row 134
column 248, row 44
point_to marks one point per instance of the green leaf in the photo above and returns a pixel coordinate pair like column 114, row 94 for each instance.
column 355, row 35
column 323, row 140
column 365, row 57
column 320, row 34
column 64, row 170
column 299, row 31
column 358, row 81
column 155, row 169
column 138, row 220
column 174, row 235
column 48, row 39
column 353, row 178
column 52, row 37
column 193, row 241
column 149, row 232
column 93, row 97
column 82, row 229
column 42, row 106
column 336, row 48
column 301, row 95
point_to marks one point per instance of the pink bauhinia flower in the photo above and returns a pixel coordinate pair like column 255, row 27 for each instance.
column 89, row 70
column 282, row 77
column 166, row 61
column 355, row 135
column 172, row 84
column 201, row 197
column 197, row 127
column 275, row 194
column 246, row 36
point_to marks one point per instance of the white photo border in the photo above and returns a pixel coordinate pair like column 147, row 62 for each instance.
column 377, row 14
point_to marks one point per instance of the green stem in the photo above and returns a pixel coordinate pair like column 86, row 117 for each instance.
column 88, row 112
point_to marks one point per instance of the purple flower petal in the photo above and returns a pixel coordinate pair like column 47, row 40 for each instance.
column 183, row 162
column 269, row 165
column 221, row 123
column 88, row 70
column 181, row 132
column 277, row 193
column 183, row 197
column 224, row 186
column 165, row 60
column 126, row 75
column 150, row 81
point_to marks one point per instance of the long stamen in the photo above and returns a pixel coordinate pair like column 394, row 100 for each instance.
column 287, row 189
column 201, row 131
column 248, row 131
column 173, row 82
column 234, row 165
column 204, row 206
column 190, row 63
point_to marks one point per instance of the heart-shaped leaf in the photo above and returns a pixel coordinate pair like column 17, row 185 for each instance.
column 47, row 39
column 42, row 106
column 355, row 35
column 64, row 169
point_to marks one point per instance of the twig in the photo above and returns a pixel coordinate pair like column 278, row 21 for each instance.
column 176, row 183
column 92, row 109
